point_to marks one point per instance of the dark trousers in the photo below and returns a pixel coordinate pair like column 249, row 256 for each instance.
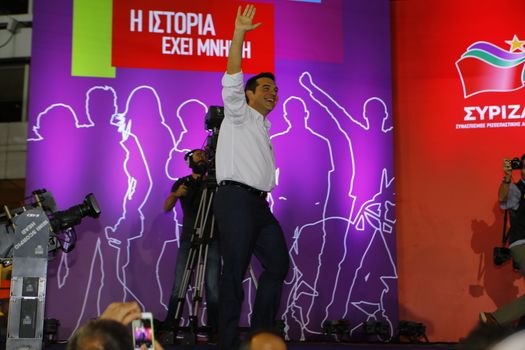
column 248, row 227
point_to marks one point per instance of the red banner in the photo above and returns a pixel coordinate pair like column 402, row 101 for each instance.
column 187, row 35
column 456, row 118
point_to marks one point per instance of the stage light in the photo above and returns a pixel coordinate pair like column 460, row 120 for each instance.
column 340, row 329
column 380, row 329
column 413, row 331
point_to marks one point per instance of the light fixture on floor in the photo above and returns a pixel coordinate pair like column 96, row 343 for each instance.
column 340, row 329
column 412, row 331
column 380, row 329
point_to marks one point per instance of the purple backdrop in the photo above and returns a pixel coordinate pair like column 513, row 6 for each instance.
column 124, row 138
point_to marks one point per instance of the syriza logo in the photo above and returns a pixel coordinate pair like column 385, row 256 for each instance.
column 485, row 67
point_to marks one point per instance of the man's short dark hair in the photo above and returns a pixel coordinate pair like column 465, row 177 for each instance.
column 251, row 84
column 101, row 334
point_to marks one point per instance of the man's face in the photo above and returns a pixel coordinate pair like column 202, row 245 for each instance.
column 199, row 156
column 199, row 163
column 265, row 96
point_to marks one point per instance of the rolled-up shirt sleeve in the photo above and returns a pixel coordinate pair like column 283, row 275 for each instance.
column 234, row 98
column 513, row 198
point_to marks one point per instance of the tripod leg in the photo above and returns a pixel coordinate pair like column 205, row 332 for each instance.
column 204, row 229
column 197, row 263
column 181, row 293
column 252, row 275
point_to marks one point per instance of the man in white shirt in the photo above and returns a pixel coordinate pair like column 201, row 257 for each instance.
column 245, row 170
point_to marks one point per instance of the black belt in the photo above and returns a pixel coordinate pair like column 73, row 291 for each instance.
column 250, row 189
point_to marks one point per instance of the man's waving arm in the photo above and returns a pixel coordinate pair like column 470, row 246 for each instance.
column 243, row 24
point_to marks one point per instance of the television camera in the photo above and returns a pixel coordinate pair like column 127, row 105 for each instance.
column 27, row 235
column 212, row 123
column 61, row 223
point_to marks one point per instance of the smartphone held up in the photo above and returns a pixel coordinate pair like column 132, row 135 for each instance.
column 143, row 333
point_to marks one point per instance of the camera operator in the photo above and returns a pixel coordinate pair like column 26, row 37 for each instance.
column 189, row 190
column 512, row 198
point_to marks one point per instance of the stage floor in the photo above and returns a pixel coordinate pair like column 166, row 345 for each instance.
column 318, row 345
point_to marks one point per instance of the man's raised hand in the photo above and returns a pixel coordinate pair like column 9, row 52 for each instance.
column 244, row 20
column 123, row 312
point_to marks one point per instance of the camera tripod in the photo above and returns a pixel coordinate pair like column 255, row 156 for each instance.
column 195, row 265
column 196, row 261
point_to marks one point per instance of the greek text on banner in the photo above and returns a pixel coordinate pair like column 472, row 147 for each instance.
column 187, row 35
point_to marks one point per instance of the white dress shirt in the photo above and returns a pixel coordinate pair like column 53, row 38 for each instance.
column 244, row 150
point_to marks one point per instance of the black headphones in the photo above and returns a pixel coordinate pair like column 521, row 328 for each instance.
column 188, row 157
